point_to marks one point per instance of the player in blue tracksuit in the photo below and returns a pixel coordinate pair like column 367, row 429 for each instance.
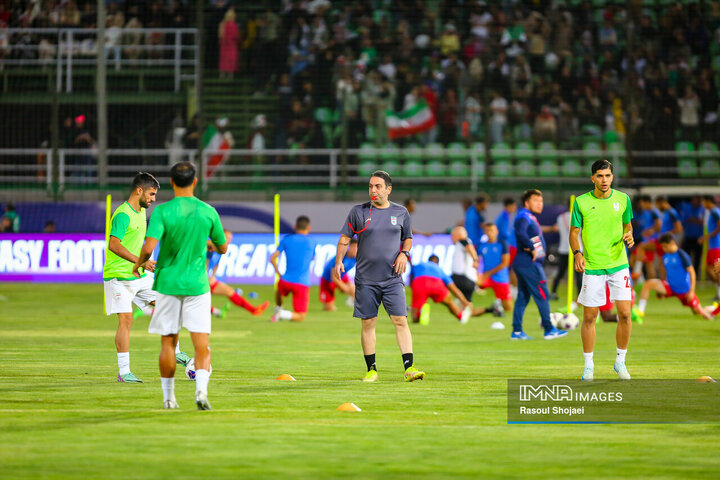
column 528, row 268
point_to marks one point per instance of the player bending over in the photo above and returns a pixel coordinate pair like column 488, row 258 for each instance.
column 220, row 288
column 299, row 251
column 679, row 281
column 329, row 283
column 429, row 281
column 496, row 265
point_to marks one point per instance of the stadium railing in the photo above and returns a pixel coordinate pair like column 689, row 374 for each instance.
column 68, row 48
column 240, row 168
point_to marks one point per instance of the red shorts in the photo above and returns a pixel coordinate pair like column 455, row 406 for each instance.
column 652, row 247
column 713, row 256
column 327, row 289
column 513, row 252
column 692, row 303
column 300, row 295
column 608, row 304
column 502, row 290
column 427, row 287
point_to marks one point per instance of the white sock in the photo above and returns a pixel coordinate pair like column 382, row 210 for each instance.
column 177, row 347
column 216, row 311
column 285, row 315
column 638, row 267
column 621, row 355
column 642, row 304
column 168, row 388
column 148, row 310
column 589, row 360
column 123, row 363
column 202, row 377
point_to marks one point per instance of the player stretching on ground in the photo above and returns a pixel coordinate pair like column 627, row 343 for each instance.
column 182, row 226
column 220, row 288
column 429, row 281
column 604, row 215
column 299, row 251
column 328, row 283
column 712, row 237
column 122, row 289
column 680, row 279
column 384, row 241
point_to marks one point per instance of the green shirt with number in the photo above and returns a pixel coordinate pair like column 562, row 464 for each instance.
column 183, row 226
column 129, row 227
column 603, row 223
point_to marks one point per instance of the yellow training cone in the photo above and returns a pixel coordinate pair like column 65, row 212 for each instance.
column 349, row 407
column 706, row 379
column 285, row 376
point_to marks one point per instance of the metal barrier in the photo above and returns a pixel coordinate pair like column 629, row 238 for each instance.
column 78, row 47
column 77, row 168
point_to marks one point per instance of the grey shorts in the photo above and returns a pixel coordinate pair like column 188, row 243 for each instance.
column 369, row 297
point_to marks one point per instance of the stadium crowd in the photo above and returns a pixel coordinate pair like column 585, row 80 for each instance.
column 522, row 71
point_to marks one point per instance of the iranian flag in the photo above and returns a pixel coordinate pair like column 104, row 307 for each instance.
column 214, row 140
column 416, row 119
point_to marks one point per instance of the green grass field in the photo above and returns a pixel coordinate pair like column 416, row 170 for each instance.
column 64, row 416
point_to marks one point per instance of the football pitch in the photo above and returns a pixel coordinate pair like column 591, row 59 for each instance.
column 63, row 415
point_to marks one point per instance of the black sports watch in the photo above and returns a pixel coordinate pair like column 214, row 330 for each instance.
column 575, row 252
column 407, row 254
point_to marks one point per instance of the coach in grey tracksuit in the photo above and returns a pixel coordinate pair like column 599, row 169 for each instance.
column 384, row 241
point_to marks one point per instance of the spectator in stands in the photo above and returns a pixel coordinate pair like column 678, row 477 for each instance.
column 49, row 227
column 83, row 140
column 229, row 38
column 545, row 127
column 689, row 114
column 132, row 40
column 498, row 107
column 707, row 95
column 10, row 219
column 473, row 116
column 448, row 116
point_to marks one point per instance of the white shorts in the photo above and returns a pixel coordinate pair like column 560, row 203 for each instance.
column 121, row 294
column 592, row 293
column 175, row 311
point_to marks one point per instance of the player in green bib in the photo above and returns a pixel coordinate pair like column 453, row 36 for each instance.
column 604, row 215
column 182, row 226
column 122, row 289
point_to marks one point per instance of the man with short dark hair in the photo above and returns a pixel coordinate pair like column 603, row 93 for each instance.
column 384, row 242
column 299, row 251
column 529, row 270
column 182, row 226
column 122, row 289
column 605, row 216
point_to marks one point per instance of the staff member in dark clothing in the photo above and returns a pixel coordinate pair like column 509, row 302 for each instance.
column 384, row 242
column 528, row 268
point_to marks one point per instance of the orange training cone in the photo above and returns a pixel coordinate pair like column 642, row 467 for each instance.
column 706, row 379
column 286, row 376
column 349, row 407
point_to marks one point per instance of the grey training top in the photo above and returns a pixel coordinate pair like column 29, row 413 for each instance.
column 380, row 243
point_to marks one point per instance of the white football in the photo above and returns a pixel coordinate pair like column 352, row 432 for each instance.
column 569, row 321
column 554, row 318
column 190, row 369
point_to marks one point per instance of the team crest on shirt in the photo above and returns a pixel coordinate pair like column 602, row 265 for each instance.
column 393, row 220
column 616, row 206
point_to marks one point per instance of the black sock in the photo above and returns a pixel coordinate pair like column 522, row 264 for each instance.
column 407, row 360
column 370, row 362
